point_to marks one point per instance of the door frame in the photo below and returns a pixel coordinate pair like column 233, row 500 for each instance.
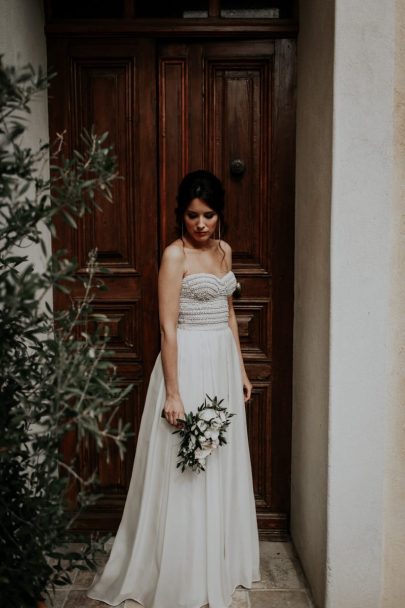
column 273, row 526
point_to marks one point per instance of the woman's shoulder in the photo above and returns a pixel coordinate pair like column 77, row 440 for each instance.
column 227, row 252
column 173, row 251
column 173, row 254
column 225, row 246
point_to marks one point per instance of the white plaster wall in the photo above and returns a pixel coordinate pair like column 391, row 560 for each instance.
column 346, row 369
column 394, row 512
column 312, row 290
column 22, row 41
column 360, row 272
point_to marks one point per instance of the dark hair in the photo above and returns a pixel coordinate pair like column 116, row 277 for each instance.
column 206, row 186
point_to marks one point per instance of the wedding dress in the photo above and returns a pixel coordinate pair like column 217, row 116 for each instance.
column 187, row 539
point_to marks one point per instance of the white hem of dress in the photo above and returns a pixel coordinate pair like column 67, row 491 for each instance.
column 134, row 599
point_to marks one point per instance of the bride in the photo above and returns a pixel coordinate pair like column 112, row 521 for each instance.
column 187, row 540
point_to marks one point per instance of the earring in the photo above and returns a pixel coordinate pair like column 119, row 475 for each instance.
column 181, row 229
column 219, row 229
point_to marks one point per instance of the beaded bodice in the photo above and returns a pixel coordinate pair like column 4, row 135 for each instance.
column 203, row 300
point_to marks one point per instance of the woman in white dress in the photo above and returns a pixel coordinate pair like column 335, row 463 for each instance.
column 187, row 540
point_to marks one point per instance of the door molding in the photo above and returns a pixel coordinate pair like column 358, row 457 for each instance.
column 175, row 28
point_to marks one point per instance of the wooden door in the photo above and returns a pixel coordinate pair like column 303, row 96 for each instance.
column 171, row 107
column 228, row 106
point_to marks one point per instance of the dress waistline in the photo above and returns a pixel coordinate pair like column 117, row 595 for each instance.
column 203, row 327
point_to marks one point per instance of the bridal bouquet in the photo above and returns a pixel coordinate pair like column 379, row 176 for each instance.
column 201, row 433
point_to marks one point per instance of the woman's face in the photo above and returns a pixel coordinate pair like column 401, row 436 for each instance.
column 200, row 221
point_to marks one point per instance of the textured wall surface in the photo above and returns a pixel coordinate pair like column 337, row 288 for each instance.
column 394, row 514
column 312, row 289
column 361, row 235
column 346, row 407
column 23, row 41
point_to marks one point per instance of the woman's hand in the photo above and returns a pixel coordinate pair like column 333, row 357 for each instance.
column 174, row 409
column 247, row 386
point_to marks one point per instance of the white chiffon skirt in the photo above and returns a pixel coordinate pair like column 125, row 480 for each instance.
column 186, row 539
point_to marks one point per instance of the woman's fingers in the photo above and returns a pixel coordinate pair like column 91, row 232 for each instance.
column 247, row 389
column 173, row 410
column 172, row 416
column 179, row 420
column 178, row 416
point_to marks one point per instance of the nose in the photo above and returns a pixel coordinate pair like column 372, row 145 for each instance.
column 201, row 223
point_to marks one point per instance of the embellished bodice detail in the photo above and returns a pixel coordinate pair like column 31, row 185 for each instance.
column 203, row 300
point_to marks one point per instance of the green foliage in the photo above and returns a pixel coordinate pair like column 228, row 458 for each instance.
column 56, row 379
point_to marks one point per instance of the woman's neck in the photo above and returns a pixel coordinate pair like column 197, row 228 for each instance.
column 200, row 249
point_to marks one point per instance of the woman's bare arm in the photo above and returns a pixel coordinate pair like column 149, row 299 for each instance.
column 169, row 287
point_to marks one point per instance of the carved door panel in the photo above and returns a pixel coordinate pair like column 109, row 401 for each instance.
column 109, row 84
column 228, row 107
column 171, row 107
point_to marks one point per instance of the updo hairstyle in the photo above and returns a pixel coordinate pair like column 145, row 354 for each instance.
column 205, row 186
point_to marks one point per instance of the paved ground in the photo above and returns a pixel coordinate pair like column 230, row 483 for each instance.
column 282, row 586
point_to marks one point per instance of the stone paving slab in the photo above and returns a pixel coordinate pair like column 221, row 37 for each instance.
column 279, row 599
column 283, row 584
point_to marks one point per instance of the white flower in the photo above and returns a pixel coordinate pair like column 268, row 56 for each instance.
column 210, row 444
column 202, row 425
column 211, row 435
column 222, row 416
column 207, row 414
column 215, row 423
column 92, row 353
column 201, row 454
